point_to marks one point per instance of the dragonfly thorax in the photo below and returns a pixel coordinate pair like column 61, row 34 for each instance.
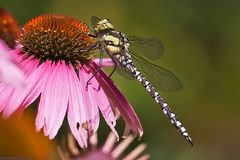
column 115, row 42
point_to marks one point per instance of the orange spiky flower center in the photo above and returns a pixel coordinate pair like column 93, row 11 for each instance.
column 8, row 28
column 56, row 37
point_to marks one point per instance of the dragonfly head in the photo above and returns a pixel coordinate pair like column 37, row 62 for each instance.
column 103, row 25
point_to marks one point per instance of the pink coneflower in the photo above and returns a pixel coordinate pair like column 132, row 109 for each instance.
column 56, row 70
column 109, row 151
column 9, row 71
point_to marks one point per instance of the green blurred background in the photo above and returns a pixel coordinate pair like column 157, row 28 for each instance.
column 202, row 44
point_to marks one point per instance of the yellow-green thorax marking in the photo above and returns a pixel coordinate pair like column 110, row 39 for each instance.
column 114, row 44
column 114, row 40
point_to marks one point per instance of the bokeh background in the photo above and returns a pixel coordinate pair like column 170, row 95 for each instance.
column 202, row 44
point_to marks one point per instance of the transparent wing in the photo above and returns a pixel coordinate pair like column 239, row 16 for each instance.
column 94, row 21
column 149, row 48
column 121, row 71
column 161, row 78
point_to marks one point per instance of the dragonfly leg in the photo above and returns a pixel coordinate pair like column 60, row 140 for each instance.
column 97, row 70
column 90, row 48
column 92, row 35
column 115, row 66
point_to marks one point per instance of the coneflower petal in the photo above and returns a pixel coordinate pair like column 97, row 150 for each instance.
column 117, row 99
column 5, row 95
column 91, row 107
column 8, row 93
column 59, row 100
column 9, row 71
column 104, row 105
column 27, row 64
column 43, row 108
column 24, row 96
column 54, row 99
column 76, row 111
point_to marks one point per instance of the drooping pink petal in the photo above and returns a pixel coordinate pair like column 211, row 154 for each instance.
column 42, row 108
column 54, row 100
column 9, row 72
column 2, row 87
column 5, row 95
column 103, row 104
column 36, row 81
column 22, row 97
column 76, row 109
column 9, row 94
column 60, row 100
column 91, row 107
column 117, row 99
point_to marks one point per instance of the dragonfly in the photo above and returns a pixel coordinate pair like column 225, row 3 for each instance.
column 133, row 56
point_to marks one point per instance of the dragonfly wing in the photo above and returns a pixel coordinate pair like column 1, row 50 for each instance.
column 149, row 48
column 122, row 71
column 161, row 78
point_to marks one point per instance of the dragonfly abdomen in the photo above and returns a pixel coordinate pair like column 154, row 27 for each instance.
column 164, row 106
